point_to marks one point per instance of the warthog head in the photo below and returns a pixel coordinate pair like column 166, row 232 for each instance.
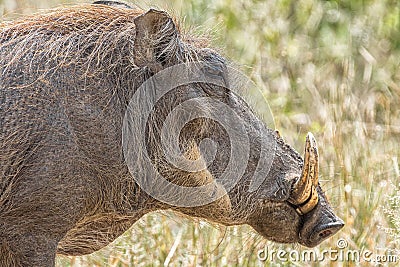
column 213, row 157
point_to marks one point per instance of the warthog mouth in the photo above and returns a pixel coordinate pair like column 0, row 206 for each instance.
column 304, row 196
column 318, row 223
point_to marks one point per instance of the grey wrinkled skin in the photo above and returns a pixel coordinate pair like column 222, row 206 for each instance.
column 66, row 80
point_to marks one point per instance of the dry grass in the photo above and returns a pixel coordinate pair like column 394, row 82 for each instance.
column 324, row 67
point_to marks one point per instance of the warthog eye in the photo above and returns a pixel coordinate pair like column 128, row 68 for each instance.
column 214, row 71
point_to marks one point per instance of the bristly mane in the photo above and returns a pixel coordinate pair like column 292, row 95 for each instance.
column 96, row 37
column 69, row 20
column 80, row 34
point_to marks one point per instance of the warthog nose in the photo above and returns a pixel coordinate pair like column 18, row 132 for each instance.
column 316, row 231
column 323, row 232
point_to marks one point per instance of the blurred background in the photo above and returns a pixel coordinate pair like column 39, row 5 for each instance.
column 330, row 67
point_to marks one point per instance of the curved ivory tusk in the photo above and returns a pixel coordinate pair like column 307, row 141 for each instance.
column 304, row 194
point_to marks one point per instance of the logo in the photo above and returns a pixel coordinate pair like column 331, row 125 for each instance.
column 141, row 109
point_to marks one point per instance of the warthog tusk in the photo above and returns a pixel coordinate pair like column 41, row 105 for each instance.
column 304, row 195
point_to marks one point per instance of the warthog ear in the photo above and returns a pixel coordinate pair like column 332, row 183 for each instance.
column 156, row 41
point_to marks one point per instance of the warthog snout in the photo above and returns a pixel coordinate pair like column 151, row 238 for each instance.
column 322, row 231
column 307, row 216
column 318, row 220
column 319, row 224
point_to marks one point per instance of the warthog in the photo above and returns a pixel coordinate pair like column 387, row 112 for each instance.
column 67, row 78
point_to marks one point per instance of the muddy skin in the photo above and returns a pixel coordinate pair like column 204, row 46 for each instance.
column 66, row 79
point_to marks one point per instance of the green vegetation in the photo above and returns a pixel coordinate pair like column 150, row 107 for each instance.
column 330, row 67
